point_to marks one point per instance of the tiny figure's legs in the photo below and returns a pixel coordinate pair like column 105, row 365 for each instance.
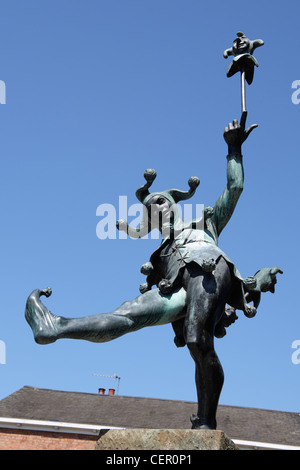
column 149, row 309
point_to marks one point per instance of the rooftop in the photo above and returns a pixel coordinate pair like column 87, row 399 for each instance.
column 250, row 424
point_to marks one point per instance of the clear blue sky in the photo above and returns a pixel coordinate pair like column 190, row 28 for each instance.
column 98, row 91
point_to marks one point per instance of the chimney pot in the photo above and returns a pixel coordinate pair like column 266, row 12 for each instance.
column 101, row 391
column 111, row 391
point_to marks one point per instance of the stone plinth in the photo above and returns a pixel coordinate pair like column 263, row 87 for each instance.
column 163, row 439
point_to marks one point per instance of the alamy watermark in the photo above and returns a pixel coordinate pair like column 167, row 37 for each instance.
column 2, row 92
column 296, row 94
column 134, row 216
column 2, row 352
column 296, row 353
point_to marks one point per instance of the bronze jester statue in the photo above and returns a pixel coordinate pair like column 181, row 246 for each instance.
column 197, row 287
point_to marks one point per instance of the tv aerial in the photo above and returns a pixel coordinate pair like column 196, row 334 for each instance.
column 115, row 377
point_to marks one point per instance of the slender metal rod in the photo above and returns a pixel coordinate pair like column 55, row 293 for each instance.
column 243, row 91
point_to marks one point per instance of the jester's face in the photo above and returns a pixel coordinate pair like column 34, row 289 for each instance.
column 241, row 45
column 160, row 212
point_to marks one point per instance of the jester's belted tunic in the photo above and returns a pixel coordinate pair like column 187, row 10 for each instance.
column 192, row 246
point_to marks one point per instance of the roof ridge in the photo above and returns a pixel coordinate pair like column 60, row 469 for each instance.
column 103, row 396
column 151, row 398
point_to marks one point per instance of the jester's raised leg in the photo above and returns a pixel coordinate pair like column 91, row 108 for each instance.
column 149, row 309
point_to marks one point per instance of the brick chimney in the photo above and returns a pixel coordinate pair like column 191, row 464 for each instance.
column 101, row 391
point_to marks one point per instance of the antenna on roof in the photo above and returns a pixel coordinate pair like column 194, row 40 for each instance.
column 115, row 377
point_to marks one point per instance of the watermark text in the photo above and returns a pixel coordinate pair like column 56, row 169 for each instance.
column 136, row 221
column 296, row 353
column 296, row 94
column 2, row 352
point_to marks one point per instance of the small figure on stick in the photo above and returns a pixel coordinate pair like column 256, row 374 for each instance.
column 243, row 61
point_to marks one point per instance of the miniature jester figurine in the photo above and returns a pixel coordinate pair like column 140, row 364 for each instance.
column 194, row 281
column 242, row 50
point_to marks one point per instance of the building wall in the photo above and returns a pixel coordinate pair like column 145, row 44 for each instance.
column 20, row 439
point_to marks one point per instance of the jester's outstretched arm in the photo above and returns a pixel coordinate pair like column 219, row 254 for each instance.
column 234, row 135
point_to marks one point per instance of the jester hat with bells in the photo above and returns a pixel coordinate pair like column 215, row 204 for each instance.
column 143, row 195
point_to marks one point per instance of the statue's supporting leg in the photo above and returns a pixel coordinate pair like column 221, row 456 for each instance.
column 149, row 309
column 206, row 297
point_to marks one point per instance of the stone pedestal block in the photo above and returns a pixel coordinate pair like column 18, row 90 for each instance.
column 163, row 439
